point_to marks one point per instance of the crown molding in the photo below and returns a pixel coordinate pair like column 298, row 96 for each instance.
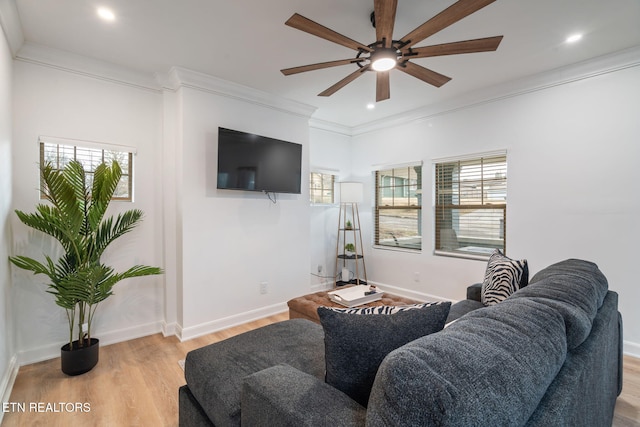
column 181, row 77
column 605, row 64
column 330, row 126
column 78, row 64
column 11, row 26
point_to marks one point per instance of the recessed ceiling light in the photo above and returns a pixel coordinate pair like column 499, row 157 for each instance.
column 106, row 14
column 371, row 106
column 573, row 38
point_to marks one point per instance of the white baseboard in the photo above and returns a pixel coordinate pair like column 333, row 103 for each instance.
column 51, row 351
column 631, row 349
column 418, row 296
column 169, row 329
column 217, row 325
column 7, row 381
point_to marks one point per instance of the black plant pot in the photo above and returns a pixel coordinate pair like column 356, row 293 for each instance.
column 80, row 359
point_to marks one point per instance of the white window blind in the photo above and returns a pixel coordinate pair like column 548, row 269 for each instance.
column 59, row 152
column 471, row 205
column 398, row 207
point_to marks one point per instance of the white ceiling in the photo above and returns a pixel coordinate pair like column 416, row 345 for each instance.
column 246, row 42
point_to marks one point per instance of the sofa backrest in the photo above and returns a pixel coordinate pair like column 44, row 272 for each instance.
column 575, row 288
column 491, row 367
column 494, row 365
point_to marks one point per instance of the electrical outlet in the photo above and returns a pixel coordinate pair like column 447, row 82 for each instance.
column 264, row 287
column 416, row 276
column 319, row 268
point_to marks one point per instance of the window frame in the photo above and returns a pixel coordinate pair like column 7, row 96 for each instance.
column 127, row 173
column 331, row 188
column 407, row 193
column 478, row 250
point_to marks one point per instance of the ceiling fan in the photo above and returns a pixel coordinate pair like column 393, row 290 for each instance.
column 386, row 53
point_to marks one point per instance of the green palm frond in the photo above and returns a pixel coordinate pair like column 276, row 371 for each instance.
column 105, row 182
column 110, row 230
column 30, row 264
column 65, row 190
column 48, row 220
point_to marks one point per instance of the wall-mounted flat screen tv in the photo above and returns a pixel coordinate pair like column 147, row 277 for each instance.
column 257, row 163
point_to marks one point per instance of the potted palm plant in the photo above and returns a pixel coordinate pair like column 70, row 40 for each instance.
column 79, row 281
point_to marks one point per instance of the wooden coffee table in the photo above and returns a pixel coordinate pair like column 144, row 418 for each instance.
column 306, row 306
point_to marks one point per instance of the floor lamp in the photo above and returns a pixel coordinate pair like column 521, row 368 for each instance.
column 349, row 232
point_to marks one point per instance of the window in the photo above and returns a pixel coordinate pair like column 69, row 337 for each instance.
column 321, row 187
column 398, row 207
column 60, row 152
column 471, row 205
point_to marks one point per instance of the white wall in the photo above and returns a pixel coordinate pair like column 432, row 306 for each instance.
column 231, row 241
column 7, row 335
column 572, row 183
column 62, row 103
column 330, row 152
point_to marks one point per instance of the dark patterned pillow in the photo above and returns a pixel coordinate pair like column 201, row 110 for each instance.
column 503, row 277
column 357, row 340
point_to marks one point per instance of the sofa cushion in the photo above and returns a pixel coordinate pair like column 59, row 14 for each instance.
column 576, row 289
column 284, row 396
column 489, row 368
column 215, row 373
column 503, row 277
column 355, row 344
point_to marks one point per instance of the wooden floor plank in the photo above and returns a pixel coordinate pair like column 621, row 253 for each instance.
column 136, row 384
column 628, row 404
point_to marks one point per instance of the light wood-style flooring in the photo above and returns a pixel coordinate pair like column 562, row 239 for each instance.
column 136, row 384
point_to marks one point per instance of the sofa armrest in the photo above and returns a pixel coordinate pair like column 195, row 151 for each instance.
column 284, row 396
column 474, row 292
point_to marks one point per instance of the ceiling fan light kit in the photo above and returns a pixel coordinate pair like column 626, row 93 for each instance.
column 386, row 54
column 384, row 59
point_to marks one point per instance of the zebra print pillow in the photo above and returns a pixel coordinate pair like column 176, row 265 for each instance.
column 382, row 309
column 503, row 277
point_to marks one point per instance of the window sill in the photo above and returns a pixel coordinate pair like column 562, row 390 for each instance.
column 323, row 205
column 477, row 257
column 398, row 249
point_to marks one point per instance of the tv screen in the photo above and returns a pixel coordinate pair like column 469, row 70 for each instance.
column 257, row 163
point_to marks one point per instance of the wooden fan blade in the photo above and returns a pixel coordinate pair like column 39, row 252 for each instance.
column 342, row 83
column 308, row 26
column 382, row 86
column 424, row 74
column 320, row 65
column 449, row 16
column 385, row 15
column 487, row 44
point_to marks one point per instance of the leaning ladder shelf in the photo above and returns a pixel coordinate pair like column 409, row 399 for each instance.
column 353, row 235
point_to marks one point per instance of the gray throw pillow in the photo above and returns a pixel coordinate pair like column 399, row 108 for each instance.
column 503, row 277
column 357, row 342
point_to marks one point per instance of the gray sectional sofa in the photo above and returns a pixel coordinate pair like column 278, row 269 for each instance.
column 549, row 355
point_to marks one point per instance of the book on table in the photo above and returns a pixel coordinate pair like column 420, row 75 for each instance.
column 354, row 296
